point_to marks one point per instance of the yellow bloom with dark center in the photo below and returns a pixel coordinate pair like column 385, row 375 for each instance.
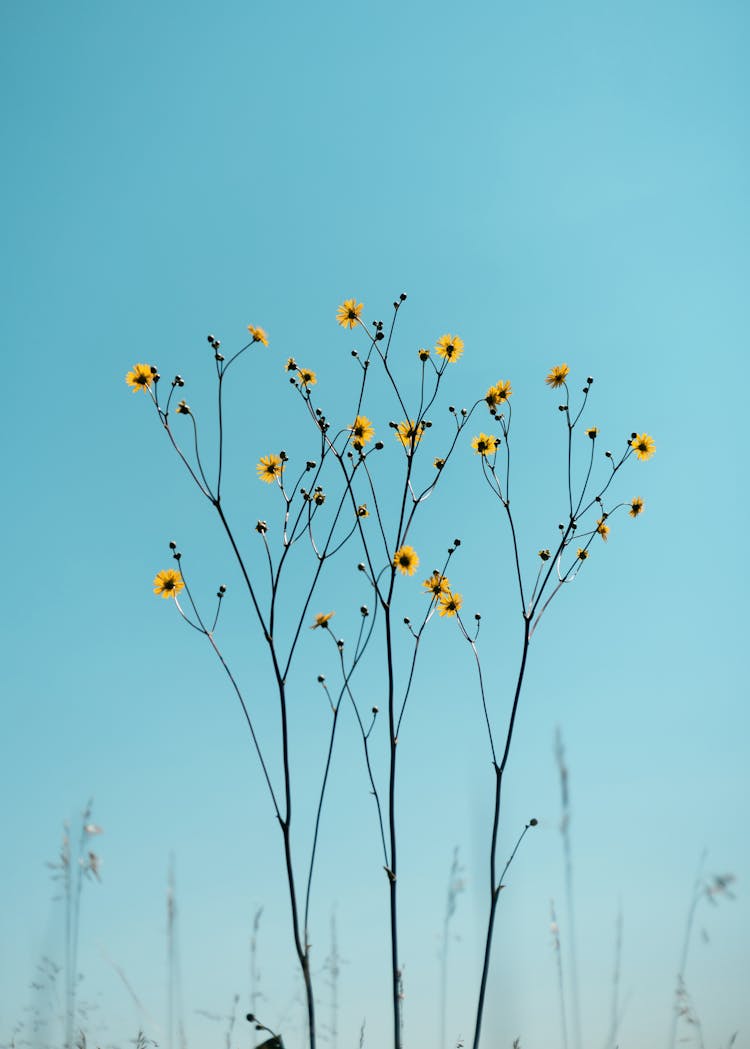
column 269, row 468
column 291, row 365
column 602, row 529
column 449, row 604
column 321, row 619
column 449, row 346
column 140, row 378
column 424, row 355
column 582, row 554
column 409, row 433
column 636, row 506
column 258, row 334
column 168, row 583
column 592, row 432
column 348, row 313
column 643, row 446
column 319, row 497
column 362, row 431
column 438, row 463
column 498, row 393
column 545, row 555
column 406, row 560
column 306, row 377
column 437, row 585
column 362, row 510
column 485, row 444
column 557, row 376
column 183, row 408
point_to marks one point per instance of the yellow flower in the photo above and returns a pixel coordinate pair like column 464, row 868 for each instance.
column 602, row 529
column 306, row 377
column 140, row 378
column 498, row 393
column 438, row 463
column 362, row 431
column 258, row 334
column 291, row 365
column 183, row 408
column 348, row 313
column 437, row 585
column 636, row 506
column 409, row 433
column 362, row 510
column 406, row 560
column 485, row 445
column 424, row 355
column 449, row 604
column 592, row 432
column 557, row 376
column 582, row 554
column 168, row 583
column 321, row 619
column 449, row 346
column 643, row 446
column 269, row 468
column 545, row 555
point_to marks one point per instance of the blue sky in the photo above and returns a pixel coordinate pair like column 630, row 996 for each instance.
column 551, row 182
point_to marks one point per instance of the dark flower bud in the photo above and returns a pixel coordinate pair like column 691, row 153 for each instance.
column 379, row 445
column 222, row 589
column 364, row 610
column 451, row 408
column 589, row 380
column 402, row 296
column 177, row 555
column 407, row 620
column 633, row 435
column 456, row 542
column 321, row 679
column 340, row 643
column 360, row 567
column 172, row 544
column 533, row 822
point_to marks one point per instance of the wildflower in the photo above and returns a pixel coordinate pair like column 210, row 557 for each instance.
column 362, row 431
column 269, row 468
column 183, row 408
column 261, row 527
column 258, row 334
column 406, row 560
column 362, row 510
column 498, row 393
column 319, row 497
column 636, row 506
column 437, row 585
column 168, row 583
column 321, row 619
column 592, row 432
column 438, row 463
column 306, row 377
column 348, row 313
column 602, row 529
column 140, row 378
column 557, row 376
column 449, row 346
column 409, row 433
column 545, row 555
column 582, row 554
column 449, row 604
column 424, row 355
column 485, row 445
column 291, row 365
column 643, row 446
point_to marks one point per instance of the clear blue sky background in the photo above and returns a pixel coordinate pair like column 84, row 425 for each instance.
column 553, row 182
